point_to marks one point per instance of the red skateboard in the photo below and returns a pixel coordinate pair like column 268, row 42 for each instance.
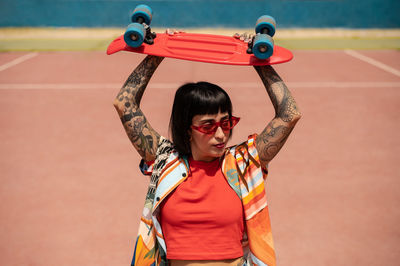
column 207, row 48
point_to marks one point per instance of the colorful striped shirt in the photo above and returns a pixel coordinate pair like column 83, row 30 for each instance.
column 241, row 167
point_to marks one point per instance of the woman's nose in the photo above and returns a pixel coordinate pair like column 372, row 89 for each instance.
column 219, row 134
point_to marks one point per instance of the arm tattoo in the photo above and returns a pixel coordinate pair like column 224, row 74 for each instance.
column 272, row 139
column 274, row 136
column 143, row 137
column 284, row 104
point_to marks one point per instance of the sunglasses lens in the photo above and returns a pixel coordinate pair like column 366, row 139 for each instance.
column 234, row 121
column 208, row 129
column 226, row 124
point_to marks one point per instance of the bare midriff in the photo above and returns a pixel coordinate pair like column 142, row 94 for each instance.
column 230, row 262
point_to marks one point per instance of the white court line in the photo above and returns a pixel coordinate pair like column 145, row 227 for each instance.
column 59, row 86
column 17, row 61
column 373, row 62
column 333, row 84
column 225, row 85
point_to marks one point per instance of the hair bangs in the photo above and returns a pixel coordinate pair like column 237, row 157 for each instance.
column 209, row 99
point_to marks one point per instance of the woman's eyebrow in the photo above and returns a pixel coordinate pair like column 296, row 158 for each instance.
column 207, row 120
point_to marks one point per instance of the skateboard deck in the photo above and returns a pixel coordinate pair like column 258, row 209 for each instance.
column 217, row 49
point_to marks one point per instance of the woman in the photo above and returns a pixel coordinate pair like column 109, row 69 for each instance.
column 206, row 203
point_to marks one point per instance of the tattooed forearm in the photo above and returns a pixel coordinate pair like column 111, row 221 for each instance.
column 136, row 83
column 284, row 104
column 274, row 136
column 142, row 135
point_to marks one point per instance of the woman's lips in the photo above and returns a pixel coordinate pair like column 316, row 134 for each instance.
column 220, row 146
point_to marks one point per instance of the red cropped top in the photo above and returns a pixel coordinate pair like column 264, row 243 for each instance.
column 203, row 218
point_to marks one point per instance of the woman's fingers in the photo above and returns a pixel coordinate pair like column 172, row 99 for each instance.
column 173, row 31
column 169, row 31
column 245, row 37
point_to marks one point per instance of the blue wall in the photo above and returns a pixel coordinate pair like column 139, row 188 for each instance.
column 203, row 13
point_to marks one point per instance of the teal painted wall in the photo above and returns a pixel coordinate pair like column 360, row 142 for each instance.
column 203, row 13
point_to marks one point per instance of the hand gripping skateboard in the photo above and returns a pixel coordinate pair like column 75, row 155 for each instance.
column 207, row 48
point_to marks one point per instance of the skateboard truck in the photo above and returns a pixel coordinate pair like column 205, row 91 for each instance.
column 150, row 36
column 250, row 46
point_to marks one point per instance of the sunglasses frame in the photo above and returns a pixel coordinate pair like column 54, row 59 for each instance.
column 233, row 121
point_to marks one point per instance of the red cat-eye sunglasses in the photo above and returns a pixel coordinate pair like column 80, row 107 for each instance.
column 211, row 127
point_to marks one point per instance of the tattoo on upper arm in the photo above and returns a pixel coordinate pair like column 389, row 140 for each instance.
column 271, row 140
column 139, row 131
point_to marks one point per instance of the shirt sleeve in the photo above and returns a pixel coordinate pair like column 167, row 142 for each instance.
column 146, row 167
column 164, row 148
column 251, row 152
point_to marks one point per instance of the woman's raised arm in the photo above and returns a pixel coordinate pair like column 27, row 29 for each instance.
column 143, row 137
column 275, row 134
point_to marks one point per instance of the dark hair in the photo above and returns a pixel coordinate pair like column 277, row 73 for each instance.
column 195, row 99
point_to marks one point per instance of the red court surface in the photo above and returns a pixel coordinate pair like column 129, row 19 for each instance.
column 71, row 192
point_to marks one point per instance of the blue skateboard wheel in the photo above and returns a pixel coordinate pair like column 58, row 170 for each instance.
column 263, row 46
column 142, row 13
column 134, row 35
column 266, row 25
